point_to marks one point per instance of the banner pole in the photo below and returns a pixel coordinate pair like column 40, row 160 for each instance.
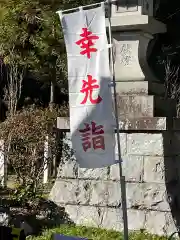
column 77, row 8
column 122, row 178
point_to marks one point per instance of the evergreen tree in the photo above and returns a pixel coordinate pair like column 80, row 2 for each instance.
column 31, row 36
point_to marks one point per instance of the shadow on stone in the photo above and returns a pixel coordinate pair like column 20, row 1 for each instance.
column 41, row 215
column 172, row 181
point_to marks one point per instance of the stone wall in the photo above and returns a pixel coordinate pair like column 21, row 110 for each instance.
column 93, row 197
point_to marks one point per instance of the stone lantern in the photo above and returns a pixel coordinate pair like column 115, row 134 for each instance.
column 133, row 26
column 138, row 7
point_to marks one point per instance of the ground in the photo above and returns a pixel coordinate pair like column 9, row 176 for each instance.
column 94, row 234
column 89, row 233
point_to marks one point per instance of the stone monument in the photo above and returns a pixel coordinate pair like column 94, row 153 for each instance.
column 149, row 140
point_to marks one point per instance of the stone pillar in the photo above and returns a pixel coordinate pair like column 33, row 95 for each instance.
column 148, row 140
column 139, row 91
column 146, row 123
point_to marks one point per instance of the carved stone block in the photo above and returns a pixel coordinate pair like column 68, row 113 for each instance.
column 140, row 7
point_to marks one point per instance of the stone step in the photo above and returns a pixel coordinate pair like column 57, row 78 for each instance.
column 144, row 106
column 150, row 123
column 146, row 123
column 136, row 22
column 140, row 88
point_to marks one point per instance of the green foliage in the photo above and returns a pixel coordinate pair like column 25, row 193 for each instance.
column 95, row 234
column 31, row 35
column 24, row 194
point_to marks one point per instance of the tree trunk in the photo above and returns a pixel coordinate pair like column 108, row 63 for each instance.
column 51, row 103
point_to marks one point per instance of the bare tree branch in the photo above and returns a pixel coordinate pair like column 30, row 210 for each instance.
column 13, row 89
column 172, row 84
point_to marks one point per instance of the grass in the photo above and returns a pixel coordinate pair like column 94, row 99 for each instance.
column 94, row 234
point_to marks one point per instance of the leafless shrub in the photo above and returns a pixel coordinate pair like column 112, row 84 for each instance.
column 24, row 134
column 12, row 91
column 172, row 84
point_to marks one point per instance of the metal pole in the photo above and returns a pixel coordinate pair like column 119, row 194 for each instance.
column 122, row 178
column 77, row 8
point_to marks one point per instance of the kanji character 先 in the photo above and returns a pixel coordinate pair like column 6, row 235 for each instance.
column 87, row 88
column 86, row 42
column 92, row 136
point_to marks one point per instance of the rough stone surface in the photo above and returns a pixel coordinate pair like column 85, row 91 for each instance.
column 123, row 144
column 71, row 191
column 155, row 197
column 63, row 123
column 68, row 170
column 136, row 219
column 109, row 218
column 107, row 193
column 145, row 123
column 160, row 223
column 84, row 215
column 112, row 219
column 148, row 123
column 4, row 216
column 139, row 88
column 132, row 169
column 145, row 144
column 99, row 193
column 114, row 193
column 135, row 106
column 97, row 173
column 63, row 191
column 147, row 196
column 159, row 169
column 145, row 23
column 93, row 196
column 134, row 196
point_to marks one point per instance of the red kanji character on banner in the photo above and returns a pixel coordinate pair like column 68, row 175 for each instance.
column 86, row 42
column 87, row 88
column 92, row 136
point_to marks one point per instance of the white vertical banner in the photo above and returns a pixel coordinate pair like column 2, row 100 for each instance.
column 89, row 78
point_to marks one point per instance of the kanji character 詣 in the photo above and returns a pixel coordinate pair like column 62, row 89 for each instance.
column 92, row 136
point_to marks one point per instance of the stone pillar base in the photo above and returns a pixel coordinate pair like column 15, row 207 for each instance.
column 150, row 155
